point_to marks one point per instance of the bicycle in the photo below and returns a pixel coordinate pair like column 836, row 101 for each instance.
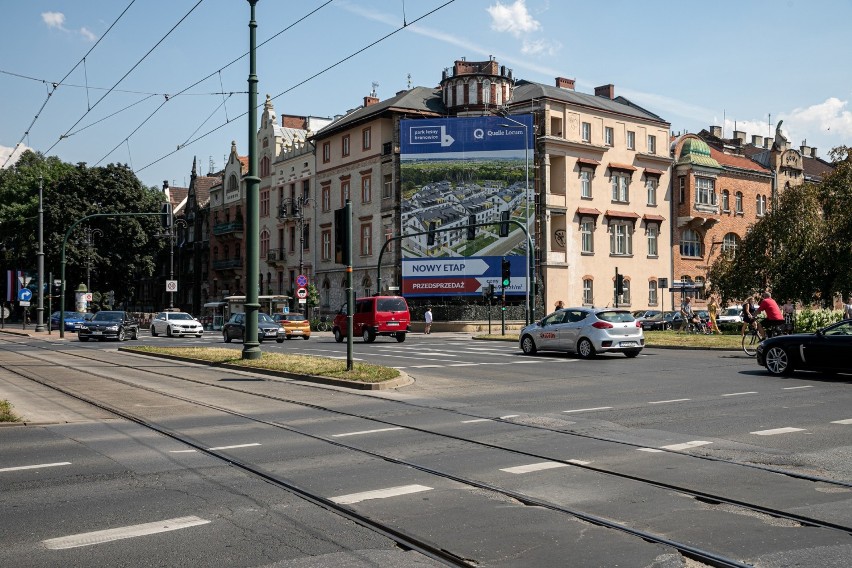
column 751, row 339
column 698, row 327
column 323, row 324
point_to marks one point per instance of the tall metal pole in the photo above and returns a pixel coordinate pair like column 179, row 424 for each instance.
column 350, row 292
column 40, row 255
column 172, row 262
column 251, row 347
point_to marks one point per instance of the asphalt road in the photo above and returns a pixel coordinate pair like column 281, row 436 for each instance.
column 456, row 458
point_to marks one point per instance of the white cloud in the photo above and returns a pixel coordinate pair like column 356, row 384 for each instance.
column 512, row 18
column 829, row 116
column 540, row 47
column 54, row 19
column 87, row 34
column 5, row 151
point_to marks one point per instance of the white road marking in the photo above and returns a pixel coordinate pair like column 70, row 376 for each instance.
column 463, row 364
column 533, row 467
column 673, row 400
column 426, row 367
column 579, row 462
column 777, row 431
column 509, row 416
column 588, row 409
column 38, row 466
column 182, row 451
column 232, row 447
column 740, row 393
column 686, row 445
column 476, row 420
column 108, row 535
column 650, row 450
column 365, row 432
column 847, row 421
column 794, row 388
column 379, row 494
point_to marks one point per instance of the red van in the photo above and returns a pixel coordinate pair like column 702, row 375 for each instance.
column 375, row 315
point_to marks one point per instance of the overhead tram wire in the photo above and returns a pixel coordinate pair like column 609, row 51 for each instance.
column 300, row 83
column 60, row 82
column 123, row 77
column 219, row 71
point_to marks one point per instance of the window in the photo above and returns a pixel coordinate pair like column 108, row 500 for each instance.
column 690, row 244
column 366, row 139
column 586, row 132
column 652, row 144
column 625, row 292
column 264, row 244
column 264, row 203
column 387, row 187
column 653, row 233
column 326, row 198
column 620, row 237
column 738, row 202
column 588, row 289
column 730, row 242
column 681, row 194
column 652, row 292
column 264, row 163
column 366, row 239
column 726, row 200
column 587, row 238
column 306, row 189
column 651, row 187
column 344, row 192
column 609, row 136
column 631, row 140
column 344, row 145
column 585, row 184
column 326, row 245
column 280, row 282
column 388, row 237
column 326, row 152
column 705, row 191
column 620, row 187
column 293, row 239
column 699, row 287
column 760, row 203
column 366, row 189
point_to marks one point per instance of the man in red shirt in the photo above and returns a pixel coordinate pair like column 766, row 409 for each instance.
column 774, row 317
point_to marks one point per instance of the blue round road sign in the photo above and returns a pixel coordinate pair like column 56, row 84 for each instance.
column 301, row 280
column 25, row 295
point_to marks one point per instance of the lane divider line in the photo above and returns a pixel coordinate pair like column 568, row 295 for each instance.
column 109, row 535
column 37, row 466
column 379, row 494
column 533, row 467
column 777, row 431
column 366, row 432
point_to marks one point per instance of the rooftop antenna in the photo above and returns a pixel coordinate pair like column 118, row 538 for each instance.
column 409, row 80
column 211, row 166
column 375, row 86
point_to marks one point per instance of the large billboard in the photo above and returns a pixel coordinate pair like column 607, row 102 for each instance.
column 454, row 170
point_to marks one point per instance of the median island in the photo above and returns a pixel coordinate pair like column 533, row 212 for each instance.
column 301, row 367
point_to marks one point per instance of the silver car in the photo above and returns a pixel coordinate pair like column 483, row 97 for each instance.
column 176, row 323
column 586, row 331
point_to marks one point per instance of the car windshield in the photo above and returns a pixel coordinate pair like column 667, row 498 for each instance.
column 733, row 311
column 613, row 316
column 391, row 305
column 294, row 317
column 266, row 318
column 180, row 317
column 107, row 316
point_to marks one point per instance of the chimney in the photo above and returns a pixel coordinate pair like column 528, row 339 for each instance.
column 756, row 141
column 607, row 91
column 292, row 121
column 564, row 83
column 813, row 152
column 370, row 101
column 165, row 186
column 740, row 137
column 806, row 150
column 716, row 131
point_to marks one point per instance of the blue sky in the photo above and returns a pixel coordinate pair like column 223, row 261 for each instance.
column 695, row 64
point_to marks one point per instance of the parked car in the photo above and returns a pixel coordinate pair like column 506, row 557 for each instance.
column 586, row 331
column 662, row 322
column 295, row 325
column 72, row 320
column 176, row 323
column 645, row 314
column 374, row 316
column 108, row 324
column 267, row 328
column 825, row 350
column 733, row 314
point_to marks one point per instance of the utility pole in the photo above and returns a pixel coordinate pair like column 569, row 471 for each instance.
column 40, row 306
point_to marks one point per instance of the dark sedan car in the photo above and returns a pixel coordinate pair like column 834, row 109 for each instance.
column 666, row 321
column 72, row 320
column 825, row 350
column 109, row 325
column 267, row 328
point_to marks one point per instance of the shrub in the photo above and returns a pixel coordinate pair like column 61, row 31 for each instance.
column 811, row 320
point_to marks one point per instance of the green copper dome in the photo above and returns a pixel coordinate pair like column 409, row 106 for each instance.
column 696, row 152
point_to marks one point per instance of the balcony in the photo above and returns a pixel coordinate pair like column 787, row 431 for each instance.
column 229, row 264
column 276, row 257
column 234, row 228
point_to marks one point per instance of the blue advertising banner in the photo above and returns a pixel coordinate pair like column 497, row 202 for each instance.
column 467, row 276
column 487, row 134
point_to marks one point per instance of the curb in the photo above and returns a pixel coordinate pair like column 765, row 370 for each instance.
column 403, row 380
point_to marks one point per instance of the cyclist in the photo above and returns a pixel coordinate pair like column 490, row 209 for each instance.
column 688, row 315
column 774, row 317
column 749, row 313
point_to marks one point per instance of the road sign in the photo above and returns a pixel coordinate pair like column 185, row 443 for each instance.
column 6, row 312
column 25, row 295
column 286, row 309
column 171, row 285
column 301, row 280
column 302, row 293
column 24, row 304
column 88, row 297
column 57, row 282
column 303, row 301
column 24, row 280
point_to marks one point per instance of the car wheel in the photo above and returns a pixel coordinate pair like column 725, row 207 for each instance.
column 198, row 335
column 306, row 337
column 83, row 339
column 169, row 331
column 585, row 349
column 368, row 335
column 154, row 332
column 338, row 337
column 400, row 337
column 134, row 334
column 667, row 326
column 528, row 345
column 121, row 335
column 777, row 361
column 632, row 352
column 226, row 337
column 289, row 337
column 279, row 340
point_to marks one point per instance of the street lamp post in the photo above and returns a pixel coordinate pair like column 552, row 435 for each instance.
column 90, row 244
column 297, row 213
column 530, row 272
column 172, row 238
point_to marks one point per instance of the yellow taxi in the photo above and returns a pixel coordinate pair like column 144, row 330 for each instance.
column 295, row 325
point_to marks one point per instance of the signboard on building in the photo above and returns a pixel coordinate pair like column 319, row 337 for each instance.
column 453, row 171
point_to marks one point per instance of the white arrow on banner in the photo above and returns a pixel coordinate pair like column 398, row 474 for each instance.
column 444, row 267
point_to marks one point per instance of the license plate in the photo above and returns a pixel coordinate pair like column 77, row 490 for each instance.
column 97, row 333
column 296, row 332
column 392, row 323
column 629, row 344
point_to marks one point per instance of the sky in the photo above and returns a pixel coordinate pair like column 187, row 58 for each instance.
column 157, row 83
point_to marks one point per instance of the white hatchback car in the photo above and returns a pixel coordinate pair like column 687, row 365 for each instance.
column 176, row 323
column 586, row 331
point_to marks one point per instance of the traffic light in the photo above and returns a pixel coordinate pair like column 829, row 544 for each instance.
column 619, row 284
column 504, row 226
column 166, row 215
column 430, row 238
column 506, row 270
column 471, row 227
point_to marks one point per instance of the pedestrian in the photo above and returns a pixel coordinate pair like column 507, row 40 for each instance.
column 428, row 317
column 712, row 310
column 847, row 308
column 687, row 314
column 559, row 305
